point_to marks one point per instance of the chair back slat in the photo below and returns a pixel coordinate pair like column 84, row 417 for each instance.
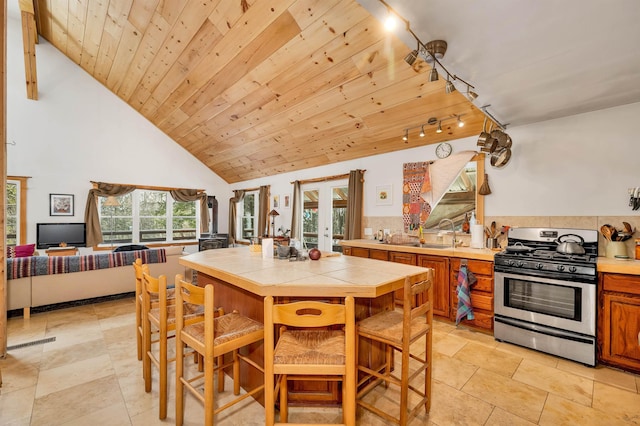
column 309, row 314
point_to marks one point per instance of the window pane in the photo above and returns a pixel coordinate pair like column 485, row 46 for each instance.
column 12, row 214
column 310, row 218
column 116, row 221
column 184, row 220
column 153, row 203
column 248, row 221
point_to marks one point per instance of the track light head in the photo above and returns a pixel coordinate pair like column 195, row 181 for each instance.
column 439, row 129
column 471, row 95
column 460, row 122
column 406, row 135
column 449, row 88
column 411, row 57
column 433, row 74
column 422, row 131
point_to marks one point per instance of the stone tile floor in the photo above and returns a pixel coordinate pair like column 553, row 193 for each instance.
column 90, row 375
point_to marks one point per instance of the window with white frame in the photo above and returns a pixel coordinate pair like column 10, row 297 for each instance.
column 148, row 216
column 13, row 212
column 247, row 212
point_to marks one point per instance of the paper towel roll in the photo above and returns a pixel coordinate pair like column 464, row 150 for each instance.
column 477, row 236
column 267, row 248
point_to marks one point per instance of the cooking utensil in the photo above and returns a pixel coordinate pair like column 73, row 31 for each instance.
column 568, row 246
column 484, row 135
column 494, row 232
column 484, row 188
column 606, row 232
column 519, row 248
column 627, row 227
column 500, row 157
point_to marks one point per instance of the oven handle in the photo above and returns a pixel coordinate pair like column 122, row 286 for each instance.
column 542, row 330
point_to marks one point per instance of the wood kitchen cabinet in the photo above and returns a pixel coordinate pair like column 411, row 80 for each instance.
column 481, row 292
column 440, row 266
column 619, row 324
column 407, row 259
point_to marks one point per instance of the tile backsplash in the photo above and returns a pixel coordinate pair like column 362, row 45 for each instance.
column 395, row 223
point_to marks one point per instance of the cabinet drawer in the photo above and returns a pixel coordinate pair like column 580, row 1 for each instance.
column 406, row 258
column 478, row 267
column 621, row 283
column 482, row 283
column 379, row 254
column 479, row 300
column 359, row 252
column 482, row 319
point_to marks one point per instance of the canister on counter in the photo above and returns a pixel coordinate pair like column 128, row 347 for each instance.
column 637, row 248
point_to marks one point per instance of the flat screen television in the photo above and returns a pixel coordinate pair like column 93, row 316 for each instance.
column 52, row 234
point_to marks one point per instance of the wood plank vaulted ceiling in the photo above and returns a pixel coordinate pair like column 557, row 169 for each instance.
column 255, row 88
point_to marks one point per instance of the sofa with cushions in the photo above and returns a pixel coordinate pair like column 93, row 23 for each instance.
column 44, row 280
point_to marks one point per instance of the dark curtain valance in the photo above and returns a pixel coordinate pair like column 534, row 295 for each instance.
column 91, row 214
column 184, row 195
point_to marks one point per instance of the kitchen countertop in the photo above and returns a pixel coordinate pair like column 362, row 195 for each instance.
column 460, row 252
column 334, row 275
column 631, row 267
column 605, row 264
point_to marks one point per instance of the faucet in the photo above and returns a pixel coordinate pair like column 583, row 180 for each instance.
column 453, row 229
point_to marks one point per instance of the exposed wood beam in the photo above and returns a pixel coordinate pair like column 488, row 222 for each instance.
column 29, row 39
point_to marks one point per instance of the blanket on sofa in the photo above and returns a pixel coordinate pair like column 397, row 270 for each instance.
column 21, row 267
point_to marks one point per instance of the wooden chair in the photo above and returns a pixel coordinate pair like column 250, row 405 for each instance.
column 400, row 329
column 138, row 269
column 310, row 353
column 161, row 320
column 212, row 338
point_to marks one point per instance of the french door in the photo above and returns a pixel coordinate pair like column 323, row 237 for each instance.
column 324, row 214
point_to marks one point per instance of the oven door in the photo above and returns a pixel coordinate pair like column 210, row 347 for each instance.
column 555, row 303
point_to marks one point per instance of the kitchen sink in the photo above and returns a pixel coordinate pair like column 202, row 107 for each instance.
column 423, row 245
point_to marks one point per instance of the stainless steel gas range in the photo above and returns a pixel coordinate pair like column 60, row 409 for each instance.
column 545, row 291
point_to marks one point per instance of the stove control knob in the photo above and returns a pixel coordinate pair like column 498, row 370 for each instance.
column 520, row 264
column 510, row 262
column 539, row 266
column 572, row 269
column 560, row 267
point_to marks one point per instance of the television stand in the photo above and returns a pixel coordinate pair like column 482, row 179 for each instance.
column 62, row 251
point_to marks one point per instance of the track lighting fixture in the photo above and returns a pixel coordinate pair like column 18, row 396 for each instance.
column 449, row 88
column 439, row 129
column 422, row 131
column 433, row 74
column 411, row 57
column 433, row 121
column 433, row 52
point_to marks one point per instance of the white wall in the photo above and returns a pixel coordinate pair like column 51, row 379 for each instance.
column 575, row 166
column 79, row 132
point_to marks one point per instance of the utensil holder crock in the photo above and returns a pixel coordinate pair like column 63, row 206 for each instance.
column 615, row 248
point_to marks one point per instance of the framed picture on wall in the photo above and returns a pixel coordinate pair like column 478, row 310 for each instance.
column 60, row 204
column 384, row 195
column 287, row 201
column 276, row 201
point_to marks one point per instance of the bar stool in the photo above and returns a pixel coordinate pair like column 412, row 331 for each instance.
column 309, row 353
column 159, row 320
column 138, row 269
column 212, row 338
column 399, row 330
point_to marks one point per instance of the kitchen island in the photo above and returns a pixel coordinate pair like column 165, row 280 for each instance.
column 242, row 279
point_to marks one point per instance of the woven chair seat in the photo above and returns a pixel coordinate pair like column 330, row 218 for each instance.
column 301, row 347
column 388, row 326
column 191, row 311
column 227, row 327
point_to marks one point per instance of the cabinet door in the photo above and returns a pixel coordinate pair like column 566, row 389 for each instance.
column 407, row 259
column 621, row 331
column 359, row 252
column 440, row 267
column 379, row 254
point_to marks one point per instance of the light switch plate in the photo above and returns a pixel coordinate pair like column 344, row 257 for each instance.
column 368, row 231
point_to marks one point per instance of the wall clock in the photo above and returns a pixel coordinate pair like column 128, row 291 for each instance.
column 443, row 150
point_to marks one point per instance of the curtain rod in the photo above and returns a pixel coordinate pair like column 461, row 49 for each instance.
column 326, row 178
column 152, row 188
column 248, row 189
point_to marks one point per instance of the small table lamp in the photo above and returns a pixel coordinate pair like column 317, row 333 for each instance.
column 273, row 213
column 112, row 202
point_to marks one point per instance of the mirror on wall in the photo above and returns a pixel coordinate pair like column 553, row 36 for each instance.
column 460, row 198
